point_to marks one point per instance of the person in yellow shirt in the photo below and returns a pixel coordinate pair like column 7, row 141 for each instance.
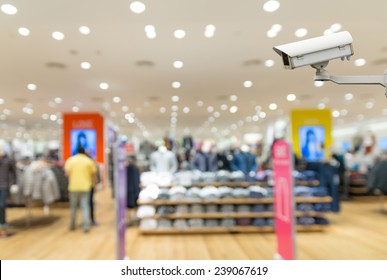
column 81, row 171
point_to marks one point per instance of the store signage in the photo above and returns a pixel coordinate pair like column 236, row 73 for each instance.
column 120, row 197
column 284, row 200
column 86, row 130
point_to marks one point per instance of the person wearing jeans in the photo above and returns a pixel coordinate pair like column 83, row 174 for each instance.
column 81, row 171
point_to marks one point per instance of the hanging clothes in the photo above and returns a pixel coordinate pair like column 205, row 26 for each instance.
column 244, row 162
column 133, row 185
column 205, row 162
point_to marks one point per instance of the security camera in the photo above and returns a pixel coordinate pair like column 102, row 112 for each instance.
column 316, row 52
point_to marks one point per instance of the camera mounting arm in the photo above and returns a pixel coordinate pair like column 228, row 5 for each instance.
column 323, row 75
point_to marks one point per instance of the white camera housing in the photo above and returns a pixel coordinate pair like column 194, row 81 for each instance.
column 316, row 52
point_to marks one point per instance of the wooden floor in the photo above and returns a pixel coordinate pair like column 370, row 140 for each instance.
column 359, row 232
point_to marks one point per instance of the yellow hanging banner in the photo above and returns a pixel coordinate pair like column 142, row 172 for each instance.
column 311, row 133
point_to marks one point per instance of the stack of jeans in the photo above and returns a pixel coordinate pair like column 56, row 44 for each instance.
column 227, row 208
column 164, row 223
column 227, row 222
column 259, row 222
column 305, row 207
column 321, row 221
column 196, row 223
column 322, row 207
column 301, row 191
column 148, row 224
column 197, row 208
column 211, row 223
column 258, row 208
column 257, row 192
column 211, row 208
column 178, row 193
column 270, row 222
column 180, row 224
column 320, row 191
column 306, row 221
column 242, row 208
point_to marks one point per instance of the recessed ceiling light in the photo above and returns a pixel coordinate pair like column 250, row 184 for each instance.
column 200, row 103
column 2, row 101
column 336, row 27
column 223, row 107
column 328, row 32
column 125, row 108
column 277, row 27
column 175, row 108
column 178, row 64
column 209, row 31
column 174, row 114
column 321, row 106
column 262, row 115
column 255, row 118
column 369, row 105
column 32, row 87
column 75, row 109
column 186, row 110
column 116, row 99
column 137, row 7
column 271, row 33
column 84, row 30
column 360, row 117
column 344, row 112
column 348, row 96
column 23, row 31
column 291, row 97
column 271, row 6
column 176, row 84
column 149, row 28
column 318, row 83
column 233, row 98
column 8, row 9
column 360, row 62
column 151, row 35
column 179, row 34
column 104, row 86
column 249, row 119
column 58, row 100
column 258, row 108
column 247, row 84
column 216, row 114
column 85, row 65
column 58, row 35
column 269, row 63
column 301, row 32
column 273, row 106
column 175, row 98
column 233, row 109
column 53, row 117
column 173, row 120
column 335, row 114
column 7, row 112
column 45, row 116
column 210, row 109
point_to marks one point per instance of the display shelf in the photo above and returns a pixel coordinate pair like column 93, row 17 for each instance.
column 358, row 190
column 313, row 183
column 326, row 199
column 236, row 229
column 220, row 215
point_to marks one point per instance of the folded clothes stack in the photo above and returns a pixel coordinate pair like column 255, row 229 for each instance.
column 193, row 194
column 258, row 208
column 227, row 208
column 225, row 192
column 209, row 193
column 180, row 224
column 240, row 193
column 243, row 222
column 227, row 222
column 257, row 192
column 305, row 207
column 178, row 193
column 306, row 221
column 208, row 177
column 196, row 223
column 211, row 223
column 164, row 224
column 211, row 208
column 165, row 210
column 237, row 176
column 146, row 211
column 223, row 176
column 301, row 191
column 259, row 222
column 164, row 194
column 148, row 224
column 322, row 207
column 182, row 209
column 197, row 208
column 243, row 208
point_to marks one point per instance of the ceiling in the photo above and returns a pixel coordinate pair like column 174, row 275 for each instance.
column 140, row 70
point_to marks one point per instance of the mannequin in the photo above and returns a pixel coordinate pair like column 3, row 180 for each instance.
column 187, row 143
column 244, row 161
column 205, row 159
column 7, row 178
column 163, row 160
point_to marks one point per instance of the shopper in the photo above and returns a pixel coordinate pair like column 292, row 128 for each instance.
column 7, row 178
column 92, row 191
column 133, row 188
column 81, row 171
